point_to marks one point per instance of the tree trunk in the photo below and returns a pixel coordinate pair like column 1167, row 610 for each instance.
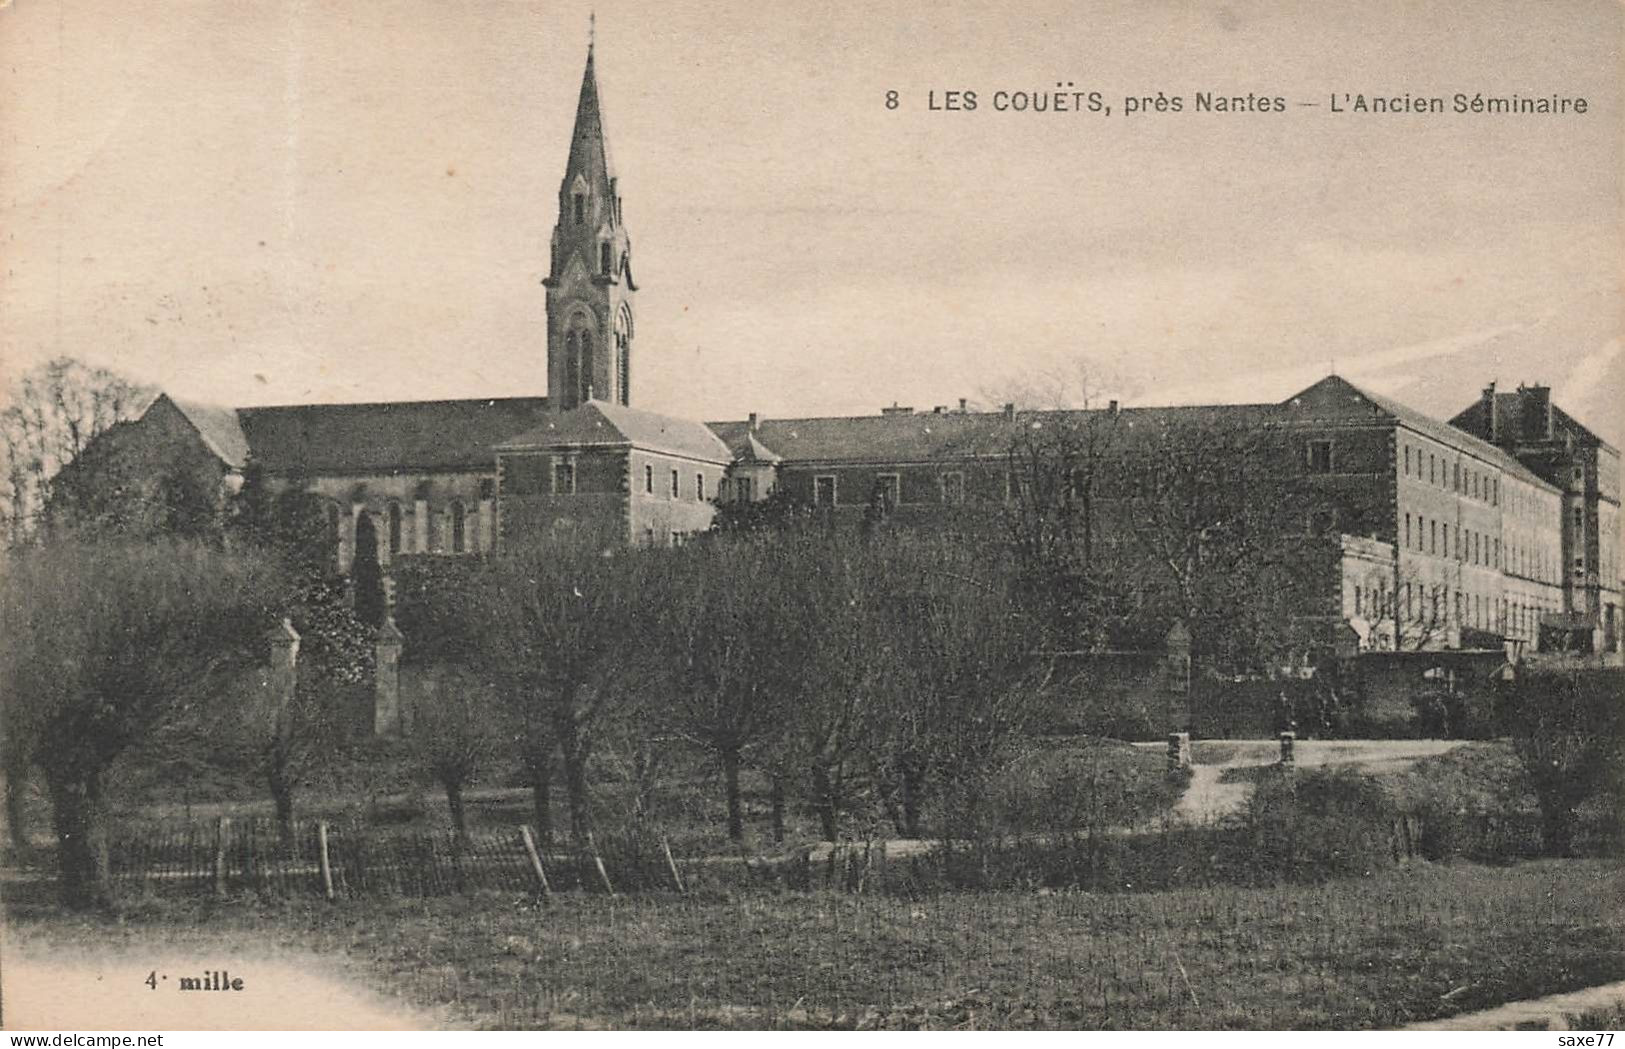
column 81, row 833
column 539, row 764
column 778, row 809
column 454, row 801
column 824, row 801
column 281, row 785
column 1556, row 829
column 913, row 783
column 576, row 749
column 730, row 780
column 16, row 817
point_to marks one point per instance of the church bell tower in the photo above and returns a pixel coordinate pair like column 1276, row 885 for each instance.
column 589, row 284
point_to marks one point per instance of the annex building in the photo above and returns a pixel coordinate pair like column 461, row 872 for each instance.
column 1498, row 527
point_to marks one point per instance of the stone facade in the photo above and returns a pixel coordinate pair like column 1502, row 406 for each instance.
column 1416, row 534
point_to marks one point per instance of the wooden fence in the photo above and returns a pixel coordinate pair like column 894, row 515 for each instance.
column 352, row 860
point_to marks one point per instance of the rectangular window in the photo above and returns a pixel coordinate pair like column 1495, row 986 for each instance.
column 1407, row 460
column 1497, row 553
column 648, row 537
column 648, row 479
column 1579, row 519
column 744, row 489
column 889, row 489
column 1433, row 537
column 1407, row 531
column 699, row 487
column 1456, row 477
column 1495, row 492
column 676, row 485
column 953, row 488
column 564, row 478
column 1432, row 462
column 824, row 490
column 1320, row 457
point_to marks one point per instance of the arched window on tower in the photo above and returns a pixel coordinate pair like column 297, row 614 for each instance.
column 572, row 364
column 623, row 358
column 584, row 369
column 580, row 209
column 606, row 259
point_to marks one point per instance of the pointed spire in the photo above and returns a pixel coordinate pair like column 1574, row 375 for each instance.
column 589, row 147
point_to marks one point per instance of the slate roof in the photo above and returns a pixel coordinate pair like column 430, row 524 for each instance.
column 218, row 427
column 1509, row 412
column 386, row 437
column 1442, row 432
column 605, row 424
column 934, row 436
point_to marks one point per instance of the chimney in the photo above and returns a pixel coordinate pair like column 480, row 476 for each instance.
column 962, row 408
column 939, row 409
column 754, row 422
column 1491, row 429
column 1111, row 406
column 1535, row 409
column 1010, row 409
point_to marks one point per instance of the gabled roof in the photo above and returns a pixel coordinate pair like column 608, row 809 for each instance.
column 1509, row 406
column 601, row 423
column 1336, row 386
column 215, row 426
column 386, row 437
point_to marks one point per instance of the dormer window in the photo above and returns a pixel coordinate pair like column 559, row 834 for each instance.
column 580, row 209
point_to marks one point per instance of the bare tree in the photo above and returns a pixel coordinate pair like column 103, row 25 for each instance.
column 963, row 673
column 458, row 733
column 98, row 643
column 48, row 416
column 727, row 630
column 1062, row 437
column 1569, row 734
column 554, row 620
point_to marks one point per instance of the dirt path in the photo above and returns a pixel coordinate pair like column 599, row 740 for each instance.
column 49, row 988
column 1207, row 798
column 1537, row 1014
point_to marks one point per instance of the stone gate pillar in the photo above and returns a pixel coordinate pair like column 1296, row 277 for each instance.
column 284, row 675
column 386, row 706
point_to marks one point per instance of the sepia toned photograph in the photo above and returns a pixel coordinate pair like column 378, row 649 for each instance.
column 623, row 517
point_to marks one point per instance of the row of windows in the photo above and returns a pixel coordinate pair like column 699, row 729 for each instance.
column 397, row 539
column 676, row 488
column 1425, row 604
column 1450, row 475
column 888, row 489
column 1474, row 548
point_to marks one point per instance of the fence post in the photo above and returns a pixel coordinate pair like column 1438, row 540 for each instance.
column 222, row 833
column 535, row 859
column 599, row 863
column 676, row 878
column 327, row 870
column 386, row 707
column 1179, row 750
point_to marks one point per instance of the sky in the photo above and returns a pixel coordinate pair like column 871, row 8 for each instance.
column 293, row 201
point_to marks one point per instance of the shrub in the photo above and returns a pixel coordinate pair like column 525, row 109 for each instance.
column 1314, row 824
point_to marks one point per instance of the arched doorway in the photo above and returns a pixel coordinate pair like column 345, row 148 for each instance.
column 366, row 576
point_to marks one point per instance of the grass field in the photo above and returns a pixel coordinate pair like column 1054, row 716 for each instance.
column 1413, row 944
